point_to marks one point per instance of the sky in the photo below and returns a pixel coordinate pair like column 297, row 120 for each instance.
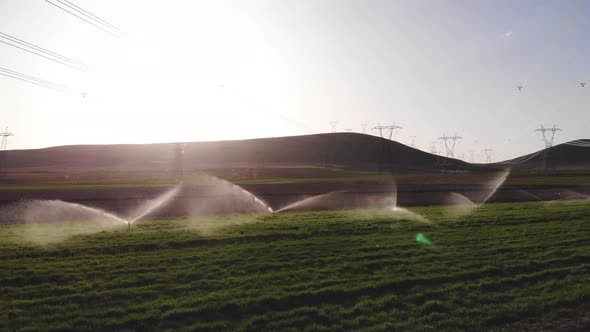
column 217, row 70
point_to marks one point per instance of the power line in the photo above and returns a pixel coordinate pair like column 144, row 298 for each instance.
column 37, row 81
column 96, row 18
column 581, row 143
column 87, row 19
column 263, row 108
column 39, row 84
column 521, row 159
column 12, row 72
column 9, row 40
column 20, row 41
column 43, row 56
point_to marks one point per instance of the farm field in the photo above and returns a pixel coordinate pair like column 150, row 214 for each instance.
column 279, row 176
column 294, row 165
column 505, row 266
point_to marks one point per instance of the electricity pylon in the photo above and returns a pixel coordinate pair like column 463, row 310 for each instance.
column 3, row 144
column 334, row 124
column 178, row 161
column 390, row 128
column 471, row 156
column 488, row 153
column 4, row 136
column 435, row 152
column 364, row 128
column 450, row 142
column 548, row 138
column 433, row 149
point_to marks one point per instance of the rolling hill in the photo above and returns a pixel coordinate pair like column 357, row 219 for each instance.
column 346, row 150
column 574, row 155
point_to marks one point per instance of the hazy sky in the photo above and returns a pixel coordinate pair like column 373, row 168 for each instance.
column 211, row 70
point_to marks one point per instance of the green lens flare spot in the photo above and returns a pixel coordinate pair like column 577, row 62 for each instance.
column 421, row 238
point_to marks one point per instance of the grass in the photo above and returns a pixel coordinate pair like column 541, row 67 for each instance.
column 554, row 180
column 500, row 267
column 278, row 176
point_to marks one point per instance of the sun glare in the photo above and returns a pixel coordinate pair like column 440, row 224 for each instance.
column 205, row 66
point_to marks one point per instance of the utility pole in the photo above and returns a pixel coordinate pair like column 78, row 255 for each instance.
column 488, row 153
column 450, row 142
column 390, row 128
column 471, row 156
column 413, row 142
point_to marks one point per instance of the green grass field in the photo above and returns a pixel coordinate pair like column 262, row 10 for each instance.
column 505, row 266
column 278, row 176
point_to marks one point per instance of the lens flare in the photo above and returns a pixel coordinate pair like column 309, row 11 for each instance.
column 421, row 238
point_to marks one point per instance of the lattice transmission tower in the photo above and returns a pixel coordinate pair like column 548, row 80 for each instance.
column 179, row 161
column 433, row 149
column 364, row 127
column 5, row 136
column 548, row 135
column 391, row 128
column 450, row 143
column 488, row 153
column 334, row 125
column 471, row 156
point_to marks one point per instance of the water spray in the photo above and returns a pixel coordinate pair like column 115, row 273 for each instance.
column 155, row 204
column 308, row 201
column 496, row 185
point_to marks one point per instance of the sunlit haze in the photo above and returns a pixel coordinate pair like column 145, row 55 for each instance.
column 217, row 70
